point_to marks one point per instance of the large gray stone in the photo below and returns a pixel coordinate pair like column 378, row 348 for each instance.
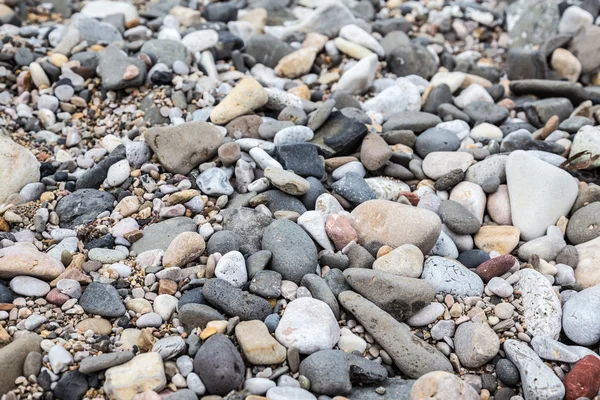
column 160, row 235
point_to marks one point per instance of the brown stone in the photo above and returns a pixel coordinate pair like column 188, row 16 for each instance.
column 99, row 326
column 495, row 267
column 13, row 356
column 133, row 236
column 584, row 379
column 56, row 297
column 185, row 248
column 502, row 239
column 166, row 286
column 374, row 152
column 4, row 227
column 229, row 153
column 72, row 273
column 25, row 259
column 333, row 163
column 246, row 125
column 259, row 347
column 146, row 340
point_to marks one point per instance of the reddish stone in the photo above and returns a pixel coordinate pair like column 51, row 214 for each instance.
column 413, row 198
column 495, row 267
column 57, row 298
column 339, row 230
column 584, row 379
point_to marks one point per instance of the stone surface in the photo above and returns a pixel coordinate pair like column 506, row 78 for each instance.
column 450, row 277
column 146, row 370
column 18, row 167
column 540, row 197
column 227, row 367
column 25, row 259
column 258, row 346
column 442, row 385
column 396, row 224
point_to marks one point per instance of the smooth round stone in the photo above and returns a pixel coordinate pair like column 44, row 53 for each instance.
column 293, row 135
column 352, row 166
column 581, row 318
column 214, row 182
column 471, row 196
column 445, row 247
column 118, row 173
column 540, row 197
column 498, row 206
column 289, row 393
column 403, row 96
column 102, row 299
column 473, row 94
column 436, row 139
column 440, row 163
column 164, row 305
column 99, row 326
column 406, row 260
column 232, row 268
column 309, row 325
column 504, row 310
column 287, row 181
column 149, row 320
column 183, row 249
column 486, row 112
column 486, row 131
column 59, row 358
column 259, row 386
column 350, row 343
column 475, row 344
column 29, row 286
column 500, row 287
column 584, row 224
column 507, row 372
column 427, row 315
column 458, row 218
column 432, row 384
column 70, row 287
column 443, row 329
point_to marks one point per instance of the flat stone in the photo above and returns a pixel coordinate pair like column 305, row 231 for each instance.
column 258, row 345
column 234, row 301
column 12, row 357
column 450, row 277
column 25, row 259
column 82, row 207
column 102, row 299
column 540, row 197
column 146, row 370
column 399, row 296
column 442, row 385
column 161, row 234
column 411, row 355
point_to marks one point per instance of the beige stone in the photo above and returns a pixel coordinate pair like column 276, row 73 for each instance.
column 129, row 338
column 25, row 259
column 18, row 167
column 259, row 347
column 498, row 206
column 287, row 181
column 395, row 224
column 406, row 260
column 352, row 49
column 566, row 64
column 247, row 96
column 440, row 385
column 139, row 305
column 501, row 238
column 143, row 373
column 297, row 63
column 185, row 248
column 587, row 273
column 99, row 326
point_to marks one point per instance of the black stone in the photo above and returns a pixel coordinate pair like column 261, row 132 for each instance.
column 436, row 139
column 267, row 49
column 438, row 96
column 412, row 59
column 473, row 258
column 482, row 111
column 234, row 301
column 191, row 296
column 302, row 158
column 102, row 299
column 72, row 386
column 223, row 242
column 277, row 200
column 82, row 207
column 226, row 371
column 222, row 12
column 6, row 295
column 415, row 121
column 507, row 372
column 339, row 135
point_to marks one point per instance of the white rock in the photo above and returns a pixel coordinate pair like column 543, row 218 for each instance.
column 587, row 138
column 118, row 173
column 232, row 268
column 359, row 78
column 102, row 8
column 59, row 358
column 539, row 193
column 146, row 370
column 201, row 40
column 358, row 35
column 387, row 189
column 427, row 315
column 309, row 325
column 164, row 305
column 454, row 80
column 18, row 167
column 293, row 135
column 404, row 96
column 542, row 308
column 473, row 93
column 471, row 196
column 313, row 222
column 439, row 163
column 573, row 19
column 486, row 131
column 538, row 380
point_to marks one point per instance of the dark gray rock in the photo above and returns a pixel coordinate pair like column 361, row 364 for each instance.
column 82, row 207
column 550, row 89
column 482, row 111
column 339, row 135
column 412, row 59
column 102, row 299
column 458, row 218
column 191, row 296
column 249, row 224
column 219, row 365
column 473, row 258
column 449, row 180
column 258, row 262
column 438, row 96
column 72, row 385
column 385, row 26
column 267, row 49
column 316, row 189
column 222, row 12
column 359, row 257
column 223, row 242
column 266, row 283
column 160, row 235
column 91, row 364
column 573, row 124
column 436, row 139
column 234, row 301
column 507, row 372
column 336, row 281
column 277, row 200
column 6, row 295
column 568, row 256
column 539, row 112
column 328, row 372
column 332, row 259
column 414, row 121
column 319, row 290
column 449, row 112
column 584, row 224
column 354, row 188
column 526, row 64
column 302, row 158
column 294, row 254
column 32, row 364
column 193, row 315
column 399, row 296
